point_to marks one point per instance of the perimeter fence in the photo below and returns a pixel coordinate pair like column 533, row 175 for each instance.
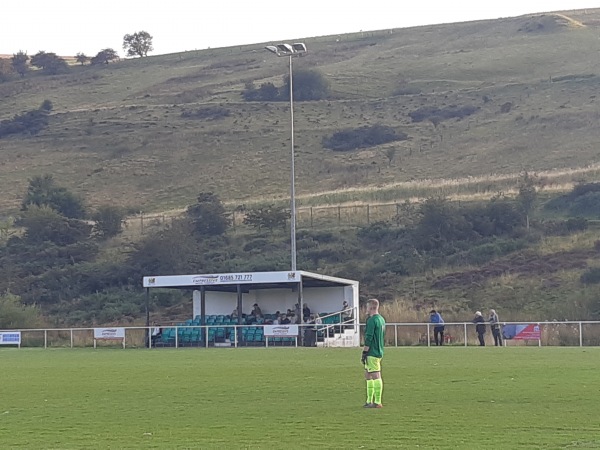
column 568, row 333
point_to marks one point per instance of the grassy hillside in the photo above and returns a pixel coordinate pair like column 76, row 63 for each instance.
column 116, row 134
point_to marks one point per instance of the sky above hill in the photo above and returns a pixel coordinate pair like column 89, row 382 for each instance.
column 67, row 27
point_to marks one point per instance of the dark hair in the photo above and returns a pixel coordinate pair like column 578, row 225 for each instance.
column 433, row 311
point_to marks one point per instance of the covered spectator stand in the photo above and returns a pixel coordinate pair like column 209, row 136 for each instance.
column 217, row 295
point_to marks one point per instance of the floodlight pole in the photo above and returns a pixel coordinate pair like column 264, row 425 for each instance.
column 293, row 174
column 291, row 51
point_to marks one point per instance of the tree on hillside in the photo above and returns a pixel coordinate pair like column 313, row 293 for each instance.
column 208, row 215
column 138, row 43
column 441, row 222
column 171, row 251
column 19, row 62
column 50, row 63
column 109, row 220
column 82, row 58
column 42, row 223
column 527, row 197
column 43, row 191
column 104, row 57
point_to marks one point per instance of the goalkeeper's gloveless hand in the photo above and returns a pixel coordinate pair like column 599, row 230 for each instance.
column 363, row 358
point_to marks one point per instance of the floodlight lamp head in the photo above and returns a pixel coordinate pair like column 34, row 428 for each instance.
column 299, row 47
column 285, row 49
column 272, row 49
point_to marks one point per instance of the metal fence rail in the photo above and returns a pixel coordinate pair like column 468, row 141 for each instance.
column 568, row 333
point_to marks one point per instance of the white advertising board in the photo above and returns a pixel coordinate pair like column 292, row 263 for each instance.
column 222, row 279
column 10, row 338
column 281, row 330
column 107, row 334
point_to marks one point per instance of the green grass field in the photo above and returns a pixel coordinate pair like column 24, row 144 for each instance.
column 298, row 398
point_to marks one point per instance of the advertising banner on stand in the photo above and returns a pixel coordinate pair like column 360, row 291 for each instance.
column 281, row 330
column 109, row 334
column 10, row 338
column 527, row 332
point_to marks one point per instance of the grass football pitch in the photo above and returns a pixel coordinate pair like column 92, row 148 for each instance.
column 449, row 397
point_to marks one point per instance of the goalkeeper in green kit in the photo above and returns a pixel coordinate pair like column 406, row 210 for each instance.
column 372, row 354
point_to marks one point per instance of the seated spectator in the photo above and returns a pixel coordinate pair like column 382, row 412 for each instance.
column 234, row 314
column 156, row 334
column 306, row 313
column 256, row 312
column 286, row 321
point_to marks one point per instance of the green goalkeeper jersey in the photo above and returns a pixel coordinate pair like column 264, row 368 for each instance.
column 374, row 335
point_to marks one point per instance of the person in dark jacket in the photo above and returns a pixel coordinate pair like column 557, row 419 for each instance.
column 480, row 327
column 438, row 328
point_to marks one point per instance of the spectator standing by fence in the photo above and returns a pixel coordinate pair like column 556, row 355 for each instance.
column 495, row 326
column 438, row 329
column 480, row 327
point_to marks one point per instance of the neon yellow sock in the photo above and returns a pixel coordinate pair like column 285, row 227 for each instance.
column 370, row 390
column 378, row 388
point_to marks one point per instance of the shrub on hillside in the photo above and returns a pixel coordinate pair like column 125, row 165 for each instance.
column 576, row 224
column 267, row 92
column 28, row 123
column 42, row 223
column 583, row 200
column 269, row 217
column 6, row 70
column 109, row 220
column 308, row 84
column 14, row 314
column 363, row 137
column 591, row 276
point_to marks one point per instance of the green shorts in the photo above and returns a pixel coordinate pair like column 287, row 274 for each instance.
column 373, row 364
